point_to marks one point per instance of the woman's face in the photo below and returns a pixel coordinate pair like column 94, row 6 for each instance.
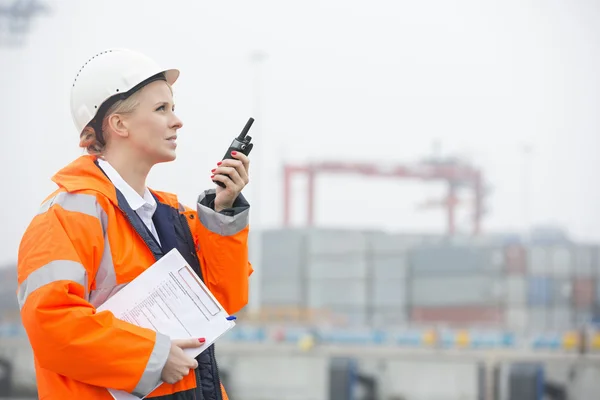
column 152, row 126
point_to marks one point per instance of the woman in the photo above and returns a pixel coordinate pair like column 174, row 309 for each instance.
column 102, row 227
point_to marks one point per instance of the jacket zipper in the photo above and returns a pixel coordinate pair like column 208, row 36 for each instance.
column 136, row 231
column 214, row 365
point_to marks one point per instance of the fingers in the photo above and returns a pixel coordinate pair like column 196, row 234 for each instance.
column 232, row 173
column 243, row 158
column 241, row 165
column 189, row 343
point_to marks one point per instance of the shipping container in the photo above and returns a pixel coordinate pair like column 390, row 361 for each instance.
column 539, row 291
column 584, row 261
column 456, row 290
column 539, row 263
column 391, row 266
column 283, row 255
column 562, row 261
column 583, row 292
column 335, row 242
column 582, row 318
column 458, row 316
column 561, row 318
column 538, row 318
column 516, row 319
column 281, row 293
column 383, row 244
column 388, row 293
column 388, row 317
column 516, row 259
column 516, row 291
column 337, row 267
column 562, row 292
column 454, row 260
column 337, row 292
column 596, row 260
column 348, row 316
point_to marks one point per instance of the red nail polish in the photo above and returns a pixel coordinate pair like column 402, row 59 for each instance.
column 213, row 170
column 202, row 340
column 233, row 153
column 212, row 176
column 219, row 163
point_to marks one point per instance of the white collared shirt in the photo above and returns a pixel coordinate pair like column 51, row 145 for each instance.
column 143, row 206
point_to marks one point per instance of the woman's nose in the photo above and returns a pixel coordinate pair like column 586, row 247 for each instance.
column 177, row 123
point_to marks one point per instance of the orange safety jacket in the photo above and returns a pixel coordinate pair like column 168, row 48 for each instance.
column 84, row 245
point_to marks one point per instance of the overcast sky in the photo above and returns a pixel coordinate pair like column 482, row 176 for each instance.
column 373, row 81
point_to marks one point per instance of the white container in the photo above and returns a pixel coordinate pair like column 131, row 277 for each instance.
column 584, row 261
column 381, row 243
column 539, row 261
column 562, row 318
column 335, row 242
column 516, row 291
column 281, row 293
column 337, row 267
column 349, row 316
column 540, row 319
column 436, row 260
column 468, row 290
column 517, row 319
column 388, row 293
column 389, row 317
column 562, row 293
column 562, row 262
column 391, row 266
column 337, row 292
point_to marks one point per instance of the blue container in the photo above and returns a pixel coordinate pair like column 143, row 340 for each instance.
column 539, row 291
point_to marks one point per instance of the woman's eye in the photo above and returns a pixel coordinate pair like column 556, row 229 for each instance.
column 161, row 108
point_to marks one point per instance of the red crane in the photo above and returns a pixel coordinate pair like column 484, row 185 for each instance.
column 454, row 172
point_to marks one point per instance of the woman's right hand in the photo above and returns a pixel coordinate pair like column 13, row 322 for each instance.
column 179, row 364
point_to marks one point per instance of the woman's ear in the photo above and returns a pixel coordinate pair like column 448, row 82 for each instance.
column 117, row 124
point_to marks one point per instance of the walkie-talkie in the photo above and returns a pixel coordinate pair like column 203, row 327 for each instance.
column 241, row 144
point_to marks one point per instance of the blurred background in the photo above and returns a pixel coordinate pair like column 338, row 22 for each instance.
column 425, row 219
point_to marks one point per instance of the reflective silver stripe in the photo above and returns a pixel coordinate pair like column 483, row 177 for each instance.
column 224, row 225
column 105, row 285
column 151, row 376
column 83, row 203
column 105, row 279
column 59, row 270
column 99, row 296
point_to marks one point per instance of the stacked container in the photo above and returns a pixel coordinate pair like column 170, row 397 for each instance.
column 387, row 289
column 587, row 268
column 336, row 267
column 382, row 280
column 283, row 277
column 456, row 285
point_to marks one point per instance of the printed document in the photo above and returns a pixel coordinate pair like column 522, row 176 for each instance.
column 170, row 298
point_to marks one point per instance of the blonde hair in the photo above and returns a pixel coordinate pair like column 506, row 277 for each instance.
column 89, row 137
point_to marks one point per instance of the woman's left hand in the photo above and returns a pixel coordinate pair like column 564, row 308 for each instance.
column 237, row 179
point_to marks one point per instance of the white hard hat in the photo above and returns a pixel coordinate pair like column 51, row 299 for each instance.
column 109, row 73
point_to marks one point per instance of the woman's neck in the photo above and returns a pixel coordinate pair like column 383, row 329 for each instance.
column 132, row 172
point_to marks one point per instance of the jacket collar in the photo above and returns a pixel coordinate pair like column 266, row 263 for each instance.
column 84, row 174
